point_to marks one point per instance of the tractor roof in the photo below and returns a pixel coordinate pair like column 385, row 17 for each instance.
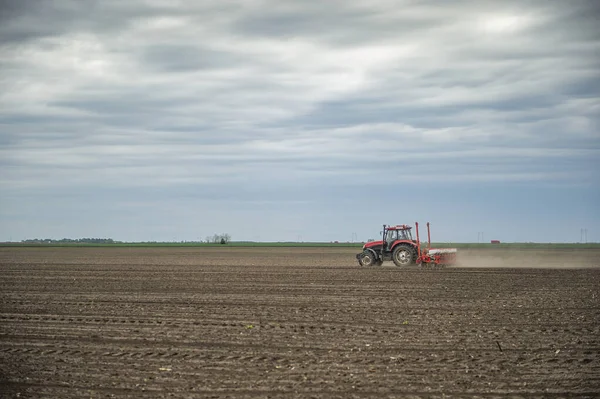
column 399, row 227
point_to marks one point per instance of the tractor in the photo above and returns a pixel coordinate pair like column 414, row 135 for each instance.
column 398, row 245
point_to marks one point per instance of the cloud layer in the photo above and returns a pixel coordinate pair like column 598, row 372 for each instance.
column 260, row 101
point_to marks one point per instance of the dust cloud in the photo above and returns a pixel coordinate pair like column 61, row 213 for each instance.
column 529, row 258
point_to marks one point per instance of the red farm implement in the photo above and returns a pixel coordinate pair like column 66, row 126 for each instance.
column 397, row 245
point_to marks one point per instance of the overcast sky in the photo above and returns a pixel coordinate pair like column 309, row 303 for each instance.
column 285, row 120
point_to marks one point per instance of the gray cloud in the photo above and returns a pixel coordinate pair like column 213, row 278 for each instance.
column 265, row 98
column 186, row 58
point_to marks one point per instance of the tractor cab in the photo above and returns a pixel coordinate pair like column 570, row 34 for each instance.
column 394, row 233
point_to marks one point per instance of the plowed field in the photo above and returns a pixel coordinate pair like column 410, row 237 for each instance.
column 295, row 323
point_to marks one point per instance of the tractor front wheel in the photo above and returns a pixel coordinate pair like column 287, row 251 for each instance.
column 367, row 258
column 403, row 255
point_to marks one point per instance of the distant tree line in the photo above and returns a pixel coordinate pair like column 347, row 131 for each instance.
column 214, row 239
column 70, row 241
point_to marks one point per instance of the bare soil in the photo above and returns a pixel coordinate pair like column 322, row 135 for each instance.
column 295, row 323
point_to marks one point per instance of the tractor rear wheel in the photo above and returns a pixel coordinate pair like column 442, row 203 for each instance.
column 403, row 255
column 367, row 258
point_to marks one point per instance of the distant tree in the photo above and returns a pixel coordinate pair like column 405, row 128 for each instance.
column 219, row 239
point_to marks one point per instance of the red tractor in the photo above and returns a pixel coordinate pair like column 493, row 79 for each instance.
column 399, row 246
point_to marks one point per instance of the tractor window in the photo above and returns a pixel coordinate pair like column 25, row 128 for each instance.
column 392, row 235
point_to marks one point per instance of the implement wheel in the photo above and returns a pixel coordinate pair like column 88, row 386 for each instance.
column 403, row 255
